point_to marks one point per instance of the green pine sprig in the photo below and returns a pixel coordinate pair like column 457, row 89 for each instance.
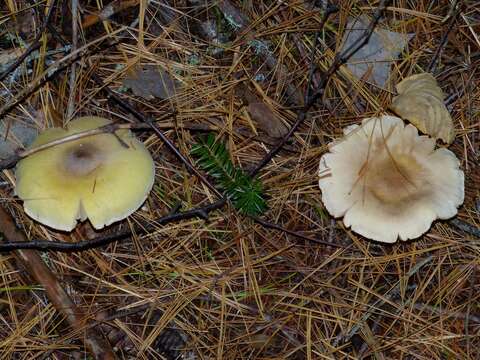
column 246, row 193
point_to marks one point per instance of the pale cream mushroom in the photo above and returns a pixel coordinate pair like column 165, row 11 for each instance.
column 95, row 177
column 388, row 182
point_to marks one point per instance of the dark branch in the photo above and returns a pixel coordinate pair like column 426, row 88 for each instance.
column 45, row 245
column 453, row 18
column 201, row 212
column 33, row 46
column 330, row 10
column 338, row 61
column 466, row 227
column 11, row 161
column 294, row 233
column 49, row 75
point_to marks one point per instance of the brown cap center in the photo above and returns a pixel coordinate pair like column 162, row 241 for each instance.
column 81, row 159
column 396, row 180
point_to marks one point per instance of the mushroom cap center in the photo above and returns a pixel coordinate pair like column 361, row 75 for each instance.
column 82, row 159
column 396, row 179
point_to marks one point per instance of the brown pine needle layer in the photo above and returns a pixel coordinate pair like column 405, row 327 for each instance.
column 293, row 284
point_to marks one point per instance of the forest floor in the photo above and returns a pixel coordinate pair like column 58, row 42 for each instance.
column 286, row 282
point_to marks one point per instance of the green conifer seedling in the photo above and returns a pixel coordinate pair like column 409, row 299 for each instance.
column 246, row 193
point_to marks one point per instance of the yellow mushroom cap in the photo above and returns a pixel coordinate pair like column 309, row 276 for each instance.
column 95, row 177
column 389, row 182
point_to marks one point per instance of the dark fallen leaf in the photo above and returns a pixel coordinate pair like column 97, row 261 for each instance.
column 151, row 82
column 266, row 119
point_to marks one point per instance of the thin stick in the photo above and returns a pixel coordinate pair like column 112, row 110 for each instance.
column 109, row 128
column 125, row 105
column 463, row 226
column 294, row 233
column 201, row 212
column 457, row 8
column 11, row 161
column 61, row 246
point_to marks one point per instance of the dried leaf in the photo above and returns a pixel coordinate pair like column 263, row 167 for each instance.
column 375, row 58
column 151, row 82
column 267, row 120
column 420, row 100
